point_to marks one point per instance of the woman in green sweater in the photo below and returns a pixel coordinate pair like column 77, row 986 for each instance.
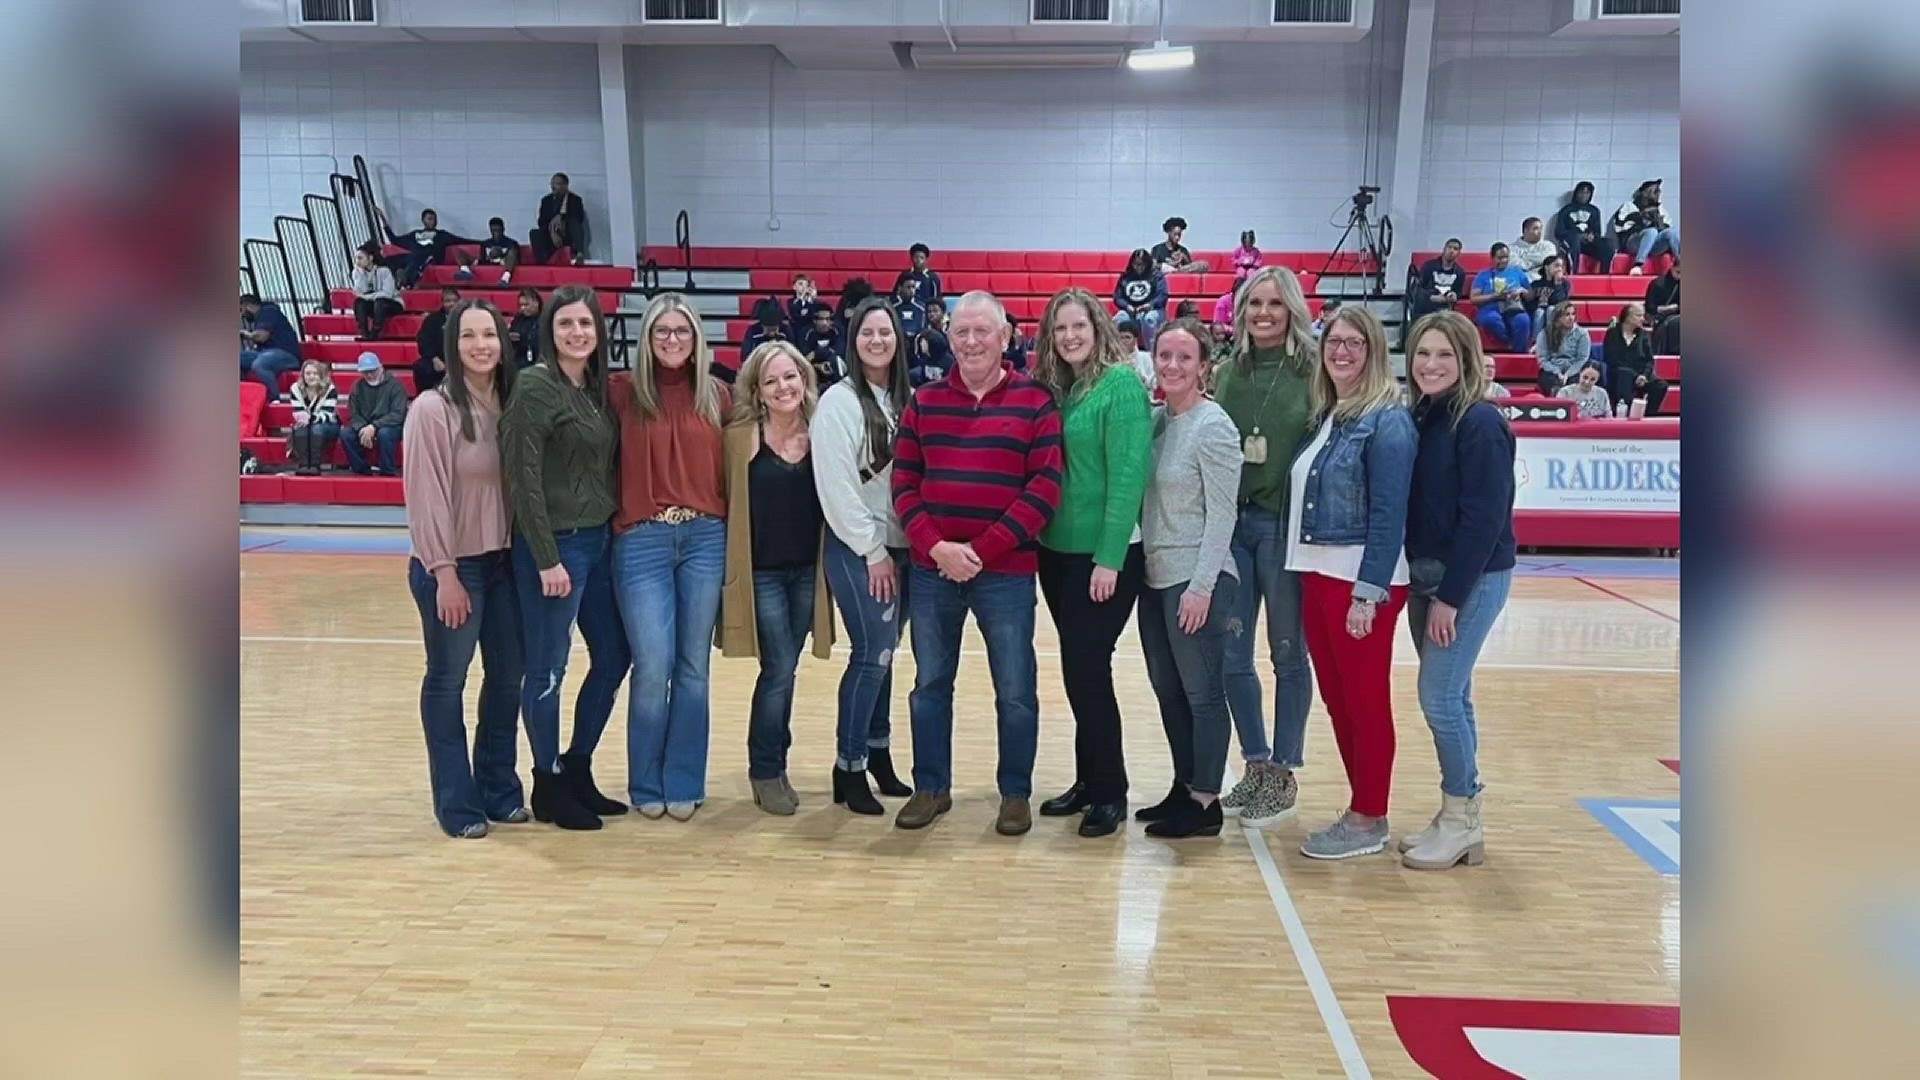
column 1091, row 564
column 1265, row 388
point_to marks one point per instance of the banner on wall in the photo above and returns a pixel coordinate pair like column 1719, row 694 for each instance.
column 1610, row 475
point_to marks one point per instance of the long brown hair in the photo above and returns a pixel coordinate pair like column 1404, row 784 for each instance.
column 1300, row 343
column 706, row 392
column 597, row 363
column 454, row 384
column 1378, row 388
column 1555, row 332
column 899, row 389
column 1053, row 372
column 1464, row 337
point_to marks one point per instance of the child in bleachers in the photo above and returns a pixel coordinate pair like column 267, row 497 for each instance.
column 907, row 305
column 1588, row 394
column 806, row 300
column 1130, row 341
column 316, row 419
column 1246, row 258
column 1549, row 290
column 768, row 326
column 932, row 352
column 1140, row 293
column 1016, row 351
column 524, row 331
column 1171, row 256
column 1579, row 230
column 1326, row 312
column 822, row 349
column 496, row 249
column 1501, row 291
column 926, row 282
column 851, row 294
column 426, row 244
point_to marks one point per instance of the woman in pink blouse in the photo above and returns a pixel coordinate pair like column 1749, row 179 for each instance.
column 461, row 574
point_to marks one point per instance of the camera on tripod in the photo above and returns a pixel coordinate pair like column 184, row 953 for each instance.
column 1364, row 198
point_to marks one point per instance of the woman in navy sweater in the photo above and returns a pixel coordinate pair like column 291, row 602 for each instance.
column 1460, row 552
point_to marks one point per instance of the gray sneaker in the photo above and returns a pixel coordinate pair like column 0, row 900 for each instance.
column 1236, row 800
column 1344, row 840
column 1273, row 800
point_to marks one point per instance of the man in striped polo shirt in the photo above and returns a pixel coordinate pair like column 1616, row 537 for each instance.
column 976, row 477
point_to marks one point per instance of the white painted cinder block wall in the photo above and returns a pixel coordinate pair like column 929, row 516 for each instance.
column 1515, row 118
column 471, row 130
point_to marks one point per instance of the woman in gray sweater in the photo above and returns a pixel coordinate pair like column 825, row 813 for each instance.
column 1562, row 348
column 1186, row 528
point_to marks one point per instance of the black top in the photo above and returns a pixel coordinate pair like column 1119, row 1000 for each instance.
column 571, row 209
column 785, row 510
column 1662, row 291
column 432, row 337
column 1435, row 277
column 494, row 249
column 1635, row 356
column 1168, row 253
column 1460, row 510
column 524, row 331
column 1581, row 218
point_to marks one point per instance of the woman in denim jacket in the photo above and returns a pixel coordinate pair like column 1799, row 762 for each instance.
column 1346, row 529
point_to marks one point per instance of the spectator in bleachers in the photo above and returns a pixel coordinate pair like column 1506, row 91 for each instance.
column 1246, row 258
column 561, row 222
column 269, row 346
column 925, row 282
column 806, row 300
column 1441, row 282
column 768, row 325
column 431, row 366
column 1170, row 256
column 376, row 297
column 496, row 249
column 1130, row 342
column 1629, row 352
column 524, row 331
column 558, row 436
column 1223, row 310
column 1532, row 250
column 932, row 352
column 907, row 305
column 1579, row 230
column 1326, row 314
column 460, row 572
column 1549, row 290
column 1562, row 348
column 823, row 349
column 1641, row 226
column 1502, row 291
column 1187, row 309
column 376, row 411
column 425, row 245
column 1663, row 306
column 1140, row 293
column 1016, row 352
column 316, row 419
column 851, row 294
column 1494, row 389
column 1588, row 394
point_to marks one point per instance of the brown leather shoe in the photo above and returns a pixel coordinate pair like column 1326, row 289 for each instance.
column 922, row 809
column 1015, row 817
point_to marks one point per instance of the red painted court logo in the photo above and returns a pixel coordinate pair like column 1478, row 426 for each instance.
column 1492, row 1039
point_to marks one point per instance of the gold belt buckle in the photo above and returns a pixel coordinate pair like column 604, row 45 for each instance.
column 676, row 515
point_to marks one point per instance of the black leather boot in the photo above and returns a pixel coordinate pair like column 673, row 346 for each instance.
column 880, row 767
column 850, row 788
column 1166, row 807
column 554, row 800
column 577, row 771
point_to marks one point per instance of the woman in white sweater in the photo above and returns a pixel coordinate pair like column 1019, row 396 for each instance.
column 866, row 549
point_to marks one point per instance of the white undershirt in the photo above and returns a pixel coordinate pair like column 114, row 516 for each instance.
column 1330, row 560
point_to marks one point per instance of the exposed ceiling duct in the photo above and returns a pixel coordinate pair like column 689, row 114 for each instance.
column 1008, row 57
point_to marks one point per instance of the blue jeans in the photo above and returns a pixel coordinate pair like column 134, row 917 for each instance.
column 1446, row 678
column 1003, row 606
column 873, row 630
column 1653, row 241
column 668, row 580
column 782, row 615
column 266, row 366
column 1260, row 557
column 1188, row 672
column 386, row 443
column 1512, row 329
column 547, row 628
column 468, row 793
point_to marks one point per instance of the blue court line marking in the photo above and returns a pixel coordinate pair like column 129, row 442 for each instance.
column 1603, row 812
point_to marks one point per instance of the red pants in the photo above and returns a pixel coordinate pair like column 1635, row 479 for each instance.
column 1355, row 677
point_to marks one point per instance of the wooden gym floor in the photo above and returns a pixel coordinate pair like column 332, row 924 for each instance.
column 830, row 945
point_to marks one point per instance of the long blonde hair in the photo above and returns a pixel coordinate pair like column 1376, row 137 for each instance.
column 1052, row 371
column 300, row 384
column 1378, row 388
column 748, row 406
column 1465, row 339
column 706, row 394
column 1300, row 343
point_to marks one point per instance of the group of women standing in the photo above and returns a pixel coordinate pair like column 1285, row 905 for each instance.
column 643, row 505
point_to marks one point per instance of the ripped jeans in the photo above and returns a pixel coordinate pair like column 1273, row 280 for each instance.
column 546, row 628
column 1260, row 556
column 866, row 690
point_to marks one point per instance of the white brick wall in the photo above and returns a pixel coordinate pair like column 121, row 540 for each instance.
column 471, row 130
column 1516, row 118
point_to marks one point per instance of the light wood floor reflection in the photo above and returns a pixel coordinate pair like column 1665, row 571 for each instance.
column 829, row 945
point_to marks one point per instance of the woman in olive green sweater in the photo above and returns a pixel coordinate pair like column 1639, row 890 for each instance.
column 1264, row 386
column 1091, row 563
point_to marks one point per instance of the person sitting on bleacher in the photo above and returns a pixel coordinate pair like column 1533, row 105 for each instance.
column 560, row 222
column 1141, row 295
column 1141, row 359
column 1171, row 256
column 269, row 347
column 822, row 349
column 1588, row 394
column 926, row 282
column 524, row 332
column 425, row 245
column 376, row 411
column 932, row 352
column 376, row 297
column 907, row 305
column 497, row 249
column 1641, row 225
column 316, row 419
column 1663, row 305
column 1562, row 348
column 854, row 291
column 1579, row 230
column 431, row 367
column 1326, row 315
column 1502, row 291
column 767, row 326
column 1441, row 281
column 806, row 300
column 1016, row 351
column 1629, row 351
column 1549, row 290
column 1494, row 389
column 1532, row 250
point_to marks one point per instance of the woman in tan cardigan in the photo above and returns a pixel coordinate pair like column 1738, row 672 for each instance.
column 775, row 588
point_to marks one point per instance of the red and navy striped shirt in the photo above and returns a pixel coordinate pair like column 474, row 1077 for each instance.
column 983, row 471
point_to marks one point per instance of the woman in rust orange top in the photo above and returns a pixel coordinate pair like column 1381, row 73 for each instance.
column 669, row 552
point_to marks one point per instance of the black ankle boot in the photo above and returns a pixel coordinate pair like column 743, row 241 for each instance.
column 554, row 801
column 1191, row 819
column 577, row 771
column 850, row 787
column 1164, row 809
column 880, row 767
column 1071, row 801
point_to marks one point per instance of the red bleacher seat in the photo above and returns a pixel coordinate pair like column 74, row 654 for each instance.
column 966, row 281
column 973, row 262
column 1048, row 284
column 1600, row 311
column 1603, row 286
column 272, row 450
column 1009, row 284
column 539, row 277
column 307, row 490
column 261, row 489
column 1085, row 262
column 853, row 260
column 253, row 405
column 1046, row 262
column 346, row 352
column 1667, row 367
column 344, row 380
column 1007, row 261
